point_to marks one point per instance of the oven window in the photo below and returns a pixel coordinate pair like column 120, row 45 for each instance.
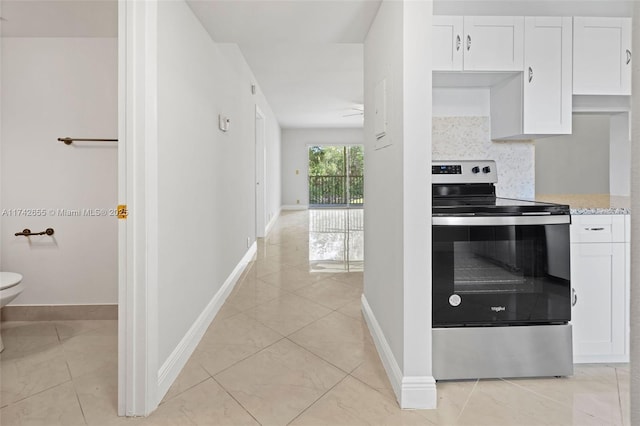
column 490, row 263
column 492, row 275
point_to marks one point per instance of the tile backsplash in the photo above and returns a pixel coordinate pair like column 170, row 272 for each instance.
column 469, row 138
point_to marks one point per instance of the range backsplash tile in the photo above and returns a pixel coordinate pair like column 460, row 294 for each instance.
column 469, row 138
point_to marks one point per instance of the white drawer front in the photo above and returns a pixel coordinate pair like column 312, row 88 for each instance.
column 597, row 229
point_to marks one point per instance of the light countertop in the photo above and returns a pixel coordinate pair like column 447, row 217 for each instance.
column 590, row 203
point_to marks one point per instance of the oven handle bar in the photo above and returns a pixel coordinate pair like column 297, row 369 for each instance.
column 500, row 220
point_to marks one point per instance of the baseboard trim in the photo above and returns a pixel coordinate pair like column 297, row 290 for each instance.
column 295, row 207
column 172, row 367
column 272, row 222
column 59, row 312
column 412, row 392
column 600, row 359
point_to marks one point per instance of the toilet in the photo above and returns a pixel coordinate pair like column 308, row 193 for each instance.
column 10, row 287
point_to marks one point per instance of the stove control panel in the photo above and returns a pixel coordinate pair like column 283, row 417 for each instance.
column 464, row 171
column 446, row 169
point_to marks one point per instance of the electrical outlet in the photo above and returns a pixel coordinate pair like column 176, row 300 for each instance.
column 248, row 242
column 297, row 171
column 297, row 201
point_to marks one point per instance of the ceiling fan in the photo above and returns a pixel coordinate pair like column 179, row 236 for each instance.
column 356, row 110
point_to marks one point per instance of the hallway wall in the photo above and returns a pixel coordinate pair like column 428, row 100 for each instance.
column 206, row 187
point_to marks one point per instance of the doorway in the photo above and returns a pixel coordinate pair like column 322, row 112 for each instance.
column 260, row 179
column 336, row 176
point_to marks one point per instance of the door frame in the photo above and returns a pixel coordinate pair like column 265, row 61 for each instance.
column 260, row 174
column 138, row 190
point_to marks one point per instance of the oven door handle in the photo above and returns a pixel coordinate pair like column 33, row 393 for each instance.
column 500, row 220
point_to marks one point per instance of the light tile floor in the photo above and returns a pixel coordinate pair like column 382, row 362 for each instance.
column 288, row 347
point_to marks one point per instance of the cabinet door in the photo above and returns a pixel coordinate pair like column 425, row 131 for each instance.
column 447, row 43
column 493, row 43
column 598, row 317
column 547, row 73
column 601, row 56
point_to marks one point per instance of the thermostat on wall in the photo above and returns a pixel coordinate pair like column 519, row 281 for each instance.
column 223, row 123
column 380, row 113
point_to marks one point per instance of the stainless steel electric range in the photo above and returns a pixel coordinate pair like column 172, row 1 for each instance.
column 501, row 279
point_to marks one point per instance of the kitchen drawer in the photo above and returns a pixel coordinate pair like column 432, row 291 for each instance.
column 597, row 228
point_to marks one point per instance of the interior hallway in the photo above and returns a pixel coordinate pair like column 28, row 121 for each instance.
column 289, row 346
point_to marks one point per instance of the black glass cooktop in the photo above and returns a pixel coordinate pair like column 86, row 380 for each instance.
column 480, row 200
column 451, row 206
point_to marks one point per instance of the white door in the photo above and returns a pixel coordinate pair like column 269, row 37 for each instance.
column 601, row 56
column 547, row 84
column 260, row 175
column 493, row 43
column 598, row 317
column 447, row 43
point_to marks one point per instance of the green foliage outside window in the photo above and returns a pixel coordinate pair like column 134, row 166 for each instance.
column 336, row 175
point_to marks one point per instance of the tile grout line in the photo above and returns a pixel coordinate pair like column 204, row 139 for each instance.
column 37, row 393
column 187, row 389
column 318, row 356
column 371, row 387
column 318, row 399
column 464, row 406
column 243, row 359
column 234, row 398
column 551, row 399
column 75, row 391
column 619, row 395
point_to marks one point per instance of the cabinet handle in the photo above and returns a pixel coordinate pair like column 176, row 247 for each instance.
column 458, row 41
column 530, row 74
column 594, row 229
column 628, row 56
column 574, row 297
column 468, row 42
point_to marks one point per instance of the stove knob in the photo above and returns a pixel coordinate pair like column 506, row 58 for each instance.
column 486, row 169
column 476, row 169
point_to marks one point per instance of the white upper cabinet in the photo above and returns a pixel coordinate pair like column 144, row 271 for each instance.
column 478, row 43
column 493, row 43
column 447, row 43
column 601, row 56
column 537, row 102
column 547, row 74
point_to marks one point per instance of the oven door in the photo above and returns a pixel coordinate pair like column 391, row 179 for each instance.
column 501, row 270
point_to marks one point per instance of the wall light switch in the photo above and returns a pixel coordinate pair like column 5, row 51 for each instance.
column 297, row 171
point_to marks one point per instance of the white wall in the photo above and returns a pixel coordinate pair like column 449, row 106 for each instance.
column 273, row 136
column 397, row 278
column 51, row 88
column 634, row 397
column 295, row 157
column 206, row 188
column 461, row 102
column 619, row 155
column 534, row 7
column 576, row 163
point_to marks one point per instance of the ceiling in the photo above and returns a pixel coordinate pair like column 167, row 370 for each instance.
column 307, row 55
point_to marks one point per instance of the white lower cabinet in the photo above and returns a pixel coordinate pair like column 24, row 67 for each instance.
column 599, row 279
